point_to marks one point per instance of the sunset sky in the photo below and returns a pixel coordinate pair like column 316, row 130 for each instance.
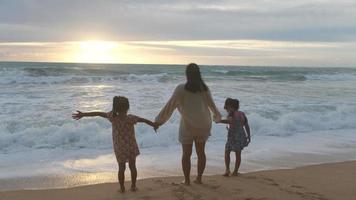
column 233, row 32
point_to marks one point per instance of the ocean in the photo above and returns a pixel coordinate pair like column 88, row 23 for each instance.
column 298, row 116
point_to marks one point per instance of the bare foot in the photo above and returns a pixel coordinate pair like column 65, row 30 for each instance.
column 187, row 183
column 133, row 188
column 235, row 173
column 227, row 173
column 197, row 181
column 122, row 189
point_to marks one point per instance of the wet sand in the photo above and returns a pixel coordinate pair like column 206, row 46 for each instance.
column 320, row 182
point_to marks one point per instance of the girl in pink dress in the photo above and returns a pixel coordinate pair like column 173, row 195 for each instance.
column 123, row 135
column 238, row 136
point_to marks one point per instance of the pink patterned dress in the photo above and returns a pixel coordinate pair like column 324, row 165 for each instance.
column 123, row 136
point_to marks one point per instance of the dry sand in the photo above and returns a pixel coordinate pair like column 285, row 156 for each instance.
column 320, row 182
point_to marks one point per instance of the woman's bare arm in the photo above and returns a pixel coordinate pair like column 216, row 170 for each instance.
column 212, row 106
column 168, row 109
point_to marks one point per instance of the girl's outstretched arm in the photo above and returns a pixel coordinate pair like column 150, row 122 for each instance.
column 148, row 122
column 79, row 114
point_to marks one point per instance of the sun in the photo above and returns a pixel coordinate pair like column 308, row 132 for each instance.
column 96, row 51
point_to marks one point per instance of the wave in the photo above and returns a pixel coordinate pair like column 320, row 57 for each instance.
column 260, row 74
column 38, row 88
column 305, row 121
column 96, row 133
column 73, row 73
column 332, row 77
column 286, row 74
column 260, row 77
column 79, row 75
column 220, row 71
column 70, row 79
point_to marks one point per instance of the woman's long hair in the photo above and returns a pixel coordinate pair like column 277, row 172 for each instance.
column 194, row 81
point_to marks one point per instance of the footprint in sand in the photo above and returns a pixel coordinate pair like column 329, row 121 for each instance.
column 249, row 177
column 271, row 181
column 149, row 189
column 295, row 190
column 179, row 193
column 146, row 197
column 182, row 193
column 158, row 181
column 297, row 186
column 303, row 193
column 214, row 187
column 161, row 183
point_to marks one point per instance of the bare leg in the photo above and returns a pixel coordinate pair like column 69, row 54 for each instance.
column 200, row 150
column 187, row 152
column 132, row 165
column 227, row 163
column 121, row 176
column 237, row 163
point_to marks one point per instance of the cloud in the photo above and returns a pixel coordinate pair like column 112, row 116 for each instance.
column 254, row 32
column 232, row 52
column 34, row 20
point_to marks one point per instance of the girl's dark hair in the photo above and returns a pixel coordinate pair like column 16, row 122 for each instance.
column 194, row 81
column 120, row 104
column 233, row 103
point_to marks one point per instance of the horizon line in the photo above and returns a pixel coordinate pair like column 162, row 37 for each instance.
column 175, row 64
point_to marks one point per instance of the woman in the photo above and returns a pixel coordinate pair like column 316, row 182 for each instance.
column 194, row 102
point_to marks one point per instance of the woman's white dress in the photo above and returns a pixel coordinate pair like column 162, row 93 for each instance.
column 195, row 110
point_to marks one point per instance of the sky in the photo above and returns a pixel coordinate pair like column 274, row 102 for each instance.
column 223, row 32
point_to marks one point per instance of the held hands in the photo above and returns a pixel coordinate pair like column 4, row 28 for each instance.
column 248, row 140
column 77, row 115
column 156, row 126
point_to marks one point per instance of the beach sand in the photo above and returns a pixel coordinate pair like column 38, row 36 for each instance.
column 320, row 182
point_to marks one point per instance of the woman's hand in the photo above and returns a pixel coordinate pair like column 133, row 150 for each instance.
column 77, row 115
